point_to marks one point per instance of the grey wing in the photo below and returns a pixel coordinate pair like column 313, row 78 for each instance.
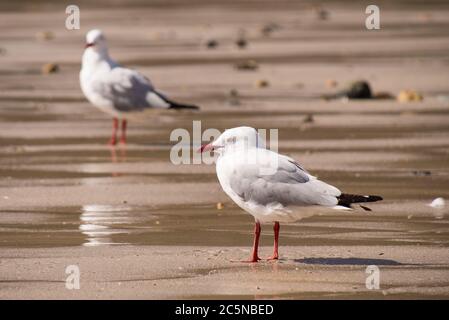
column 290, row 184
column 128, row 90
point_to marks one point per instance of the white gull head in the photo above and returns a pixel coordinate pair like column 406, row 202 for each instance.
column 96, row 51
column 96, row 41
column 240, row 138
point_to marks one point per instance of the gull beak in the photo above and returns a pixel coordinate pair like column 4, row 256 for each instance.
column 88, row 45
column 206, row 147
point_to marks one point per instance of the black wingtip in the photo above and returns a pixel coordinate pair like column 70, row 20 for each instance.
column 374, row 198
column 347, row 199
column 178, row 106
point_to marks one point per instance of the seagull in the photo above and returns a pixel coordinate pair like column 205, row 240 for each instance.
column 273, row 188
column 118, row 91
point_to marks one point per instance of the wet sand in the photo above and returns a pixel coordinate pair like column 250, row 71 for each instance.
column 172, row 272
column 140, row 227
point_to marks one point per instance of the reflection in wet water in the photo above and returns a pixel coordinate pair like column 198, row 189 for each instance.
column 100, row 222
column 121, row 157
column 94, row 225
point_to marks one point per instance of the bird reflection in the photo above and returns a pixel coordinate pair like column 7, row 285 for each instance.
column 121, row 156
column 100, row 222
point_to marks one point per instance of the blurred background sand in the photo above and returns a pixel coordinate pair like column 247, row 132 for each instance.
column 140, row 227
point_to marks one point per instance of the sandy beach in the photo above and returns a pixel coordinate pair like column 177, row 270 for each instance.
column 138, row 226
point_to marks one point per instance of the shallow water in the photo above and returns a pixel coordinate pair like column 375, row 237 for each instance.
column 99, row 225
column 408, row 178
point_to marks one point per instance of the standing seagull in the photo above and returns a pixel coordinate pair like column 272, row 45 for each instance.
column 271, row 187
column 115, row 90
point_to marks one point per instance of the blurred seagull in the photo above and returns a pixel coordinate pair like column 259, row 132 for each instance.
column 272, row 187
column 116, row 90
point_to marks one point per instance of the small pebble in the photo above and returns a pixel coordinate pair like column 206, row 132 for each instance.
column 220, row 206
column 50, row 68
column 241, row 43
column 234, row 97
column 247, row 65
column 409, row 96
column 212, row 44
column 45, row 35
column 308, row 119
column 422, row 173
column 262, row 83
column 269, row 28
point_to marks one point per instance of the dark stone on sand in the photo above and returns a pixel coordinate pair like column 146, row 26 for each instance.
column 212, row 44
column 356, row 90
column 233, row 98
column 241, row 43
column 269, row 28
column 422, row 173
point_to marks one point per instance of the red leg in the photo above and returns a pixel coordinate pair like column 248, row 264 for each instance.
column 254, row 255
column 123, row 137
column 276, row 229
column 257, row 230
column 113, row 140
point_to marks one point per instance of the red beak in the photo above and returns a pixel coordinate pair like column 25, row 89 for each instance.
column 91, row 44
column 206, row 147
